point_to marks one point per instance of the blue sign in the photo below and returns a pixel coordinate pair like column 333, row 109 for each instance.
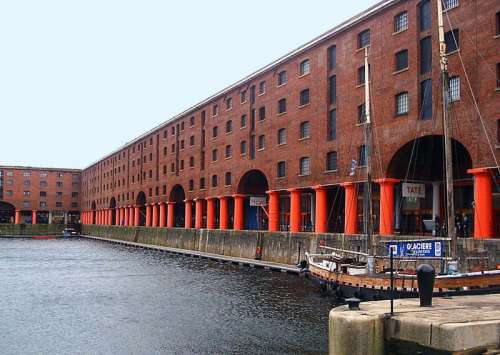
column 417, row 248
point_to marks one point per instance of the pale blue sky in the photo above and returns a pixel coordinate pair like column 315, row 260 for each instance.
column 78, row 79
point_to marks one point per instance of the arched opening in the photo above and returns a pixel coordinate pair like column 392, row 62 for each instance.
column 7, row 212
column 140, row 202
column 112, row 205
column 93, row 207
column 253, row 184
column 177, row 195
column 420, row 198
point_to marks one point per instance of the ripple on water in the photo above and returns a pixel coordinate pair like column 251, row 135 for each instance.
column 80, row 296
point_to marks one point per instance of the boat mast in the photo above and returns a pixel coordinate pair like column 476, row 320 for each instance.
column 368, row 153
column 450, row 206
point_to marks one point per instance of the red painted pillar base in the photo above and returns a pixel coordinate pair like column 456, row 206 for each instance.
column 274, row 211
column 210, row 213
column 223, row 212
column 483, row 203
column 350, row 208
column 154, row 208
column 294, row 210
column 163, row 215
column 188, row 213
column 33, row 217
column 321, row 217
column 148, row 215
column 239, row 218
column 171, row 215
column 198, row 220
column 387, row 206
column 136, row 216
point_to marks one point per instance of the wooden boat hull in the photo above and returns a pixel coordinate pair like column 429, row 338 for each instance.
column 377, row 287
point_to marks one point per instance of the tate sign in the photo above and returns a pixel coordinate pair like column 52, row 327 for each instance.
column 413, row 190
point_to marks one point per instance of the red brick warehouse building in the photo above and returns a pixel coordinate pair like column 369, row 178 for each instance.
column 39, row 195
column 276, row 149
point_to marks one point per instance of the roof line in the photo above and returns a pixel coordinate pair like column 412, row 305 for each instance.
column 335, row 30
column 37, row 168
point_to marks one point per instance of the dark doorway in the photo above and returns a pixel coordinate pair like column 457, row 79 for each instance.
column 254, row 184
column 178, row 196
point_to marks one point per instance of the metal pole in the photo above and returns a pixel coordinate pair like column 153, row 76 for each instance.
column 368, row 153
column 392, row 281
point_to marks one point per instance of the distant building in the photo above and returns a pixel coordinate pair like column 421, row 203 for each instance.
column 39, row 195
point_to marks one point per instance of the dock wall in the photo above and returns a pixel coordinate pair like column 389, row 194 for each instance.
column 279, row 247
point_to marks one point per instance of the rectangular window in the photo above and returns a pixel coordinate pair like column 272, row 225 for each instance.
column 304, row 97
column 305, row 67
column 214, row 180
column 229, row 104
column 243, row 148
column 281, row 169
column 498, row 23
column 305, row 166
column 262, row 113
column 362, row 155
column 426, row 99
column 331, row 161
column 243, row 121
column 361, row 75
column 227, row 179
column 282, row 106
column 361, row 114
column 191, row 185
column 202, row 183
column 425, row 15
column 402, row 60
column 304, row 130
column 215, row 132
column 401, row 22
column 282, row 78
column 332, row 57
column 215, row 110
column 229, row 126
column 262, row 87
column 425, row 55
column 281, row 136
column 454, row 90
column 452, row 40
column 450, row 4
column 261, row 142
column 332, row 89
column 43, row 193
column 498, row 75
column 214, row 155
column 26, row 193
column 402, row 103
column 229, row 151
column 332, row 125
column 243, row 96
column 364, row 39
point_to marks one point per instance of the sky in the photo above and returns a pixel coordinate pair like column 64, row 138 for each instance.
column 80, row 78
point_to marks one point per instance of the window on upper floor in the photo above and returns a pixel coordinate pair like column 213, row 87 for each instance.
column 243, row 121
column 191, row 140
column 402, row 106
column 305, row 166
column 281, row 169
column 261, row 142
column 331, row 161
column 332, row 125
column 332, row 89
column 243, row 96
column 498, row 76
column 362, row 155
column 215, row 110
column 191, row 162
column 243, row 148
column 43, row 193
column 364, row 39
column 401, row 22
column 332, row 57
column 191, row 121
column 214, row 155
column 304, row 97
column 229, row 151
column 227, row 179
column 214, row 180
column 452, row 40
column 282, row 78
column 262, row 113
column 229, row 126
column 362, row 74
column 425, row 55
column 450, row 4
column 26, row 174
column 281, row 136
column 202, row 183
column 191, row 185
column 426, row 99
column 454, row 88
column 497, row 21
column 402, row 60
column 262, row 87
column 215, row 131
column 282, row 106
column 304, row 130
column 425, row 15
column 229, row 103
column 361, row 114
column 304, row 67
column 26, row 193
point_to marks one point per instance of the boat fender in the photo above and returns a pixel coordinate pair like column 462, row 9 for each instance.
column 302, row 265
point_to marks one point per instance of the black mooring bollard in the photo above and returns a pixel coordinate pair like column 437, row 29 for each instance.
column 425, row 276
